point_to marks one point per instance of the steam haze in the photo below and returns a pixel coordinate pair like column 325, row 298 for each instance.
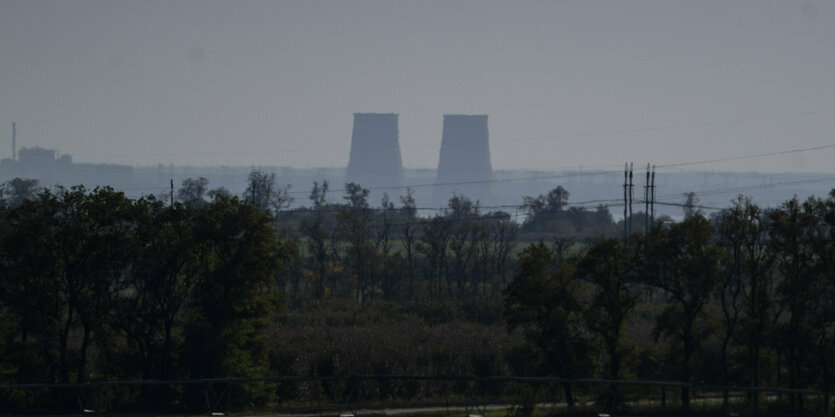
column 564, row 84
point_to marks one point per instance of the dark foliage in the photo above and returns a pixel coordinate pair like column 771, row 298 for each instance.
column 96, row 286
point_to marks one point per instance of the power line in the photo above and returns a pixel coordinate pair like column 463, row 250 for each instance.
column 516, row 139
column 676, row 126
column 756, row 187
column 751, row 156
column 447, row 184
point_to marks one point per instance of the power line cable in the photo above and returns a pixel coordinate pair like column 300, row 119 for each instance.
column 751, row 156
column 755, row 187
column 516, row 139
column 447, row 184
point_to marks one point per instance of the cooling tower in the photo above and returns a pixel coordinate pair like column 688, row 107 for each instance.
column 464, row 163
column 375, row 154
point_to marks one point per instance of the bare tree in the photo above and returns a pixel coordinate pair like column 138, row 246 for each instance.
column 354, row 230
column 434, row 243
column 315, row 229
column 383, row 241
column 409, row 230
column 263, row 191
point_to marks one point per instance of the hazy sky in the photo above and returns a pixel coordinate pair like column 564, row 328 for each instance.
column 564, row 83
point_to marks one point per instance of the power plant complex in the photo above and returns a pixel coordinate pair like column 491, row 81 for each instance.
column 464, row 168
column 375, row 163
column 464, row 165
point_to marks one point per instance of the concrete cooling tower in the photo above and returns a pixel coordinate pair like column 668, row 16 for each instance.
column 375, row 154
column 464, row 165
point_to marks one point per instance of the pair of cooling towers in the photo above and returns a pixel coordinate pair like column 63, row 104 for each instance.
column 463, row 165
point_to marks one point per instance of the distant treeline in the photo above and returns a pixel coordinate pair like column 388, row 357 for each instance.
column 98, row 286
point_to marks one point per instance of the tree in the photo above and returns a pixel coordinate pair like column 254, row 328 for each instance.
column 746, row 286
column 384, row 230
column 549, row 204
column 65, row 253
column 541, row 301
column 33, row 298
column 682, row 261
column 17, row 190
column 318, row 194
column 164, row 269
column 823, row 316
column 218, row 192
column 689, row 206
column 263, row 191
column 193, row 191
column 409, row 230
column 792, row 231
column 356, row 196
column 318, row 232
column 556, row 199
column 497, row 241
column 233, row 299
column 547, row 216
column 434, row 244
column 607, row 265
column 354, row 230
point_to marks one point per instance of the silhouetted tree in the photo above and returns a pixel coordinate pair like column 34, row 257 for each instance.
column 682, row 261
column 541, row 300
column 791, row 236
column 234, row 298
column 746, row 287
column 15, row 191
column 263, row 191
column 549, row 204
column 409, row 230
column 64, row 253
column 318, row 232
column 354, row 229
column 689, row 206
column 608, row 266
column 193, row 191
column 164, row 269
column 384, row 232
column 434, row 244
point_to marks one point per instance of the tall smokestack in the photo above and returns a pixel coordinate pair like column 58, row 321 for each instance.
column 375, row 154
column 464, row 164
column 14, row 141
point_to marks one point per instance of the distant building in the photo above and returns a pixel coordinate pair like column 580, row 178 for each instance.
column 464, row 165
column 375, row 161
column 50, row 169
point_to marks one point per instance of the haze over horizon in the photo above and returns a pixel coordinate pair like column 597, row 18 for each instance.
column 565, row 84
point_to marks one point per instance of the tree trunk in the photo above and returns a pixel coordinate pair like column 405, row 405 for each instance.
column 569, row 398
column 82, row 356
column 62, row 354
column 685, row 372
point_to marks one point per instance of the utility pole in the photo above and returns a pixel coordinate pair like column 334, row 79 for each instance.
column 625, row 200
column 631, row 196
column 646, row 203
column 172, row 191
column 652, row 196
column 14, row 141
